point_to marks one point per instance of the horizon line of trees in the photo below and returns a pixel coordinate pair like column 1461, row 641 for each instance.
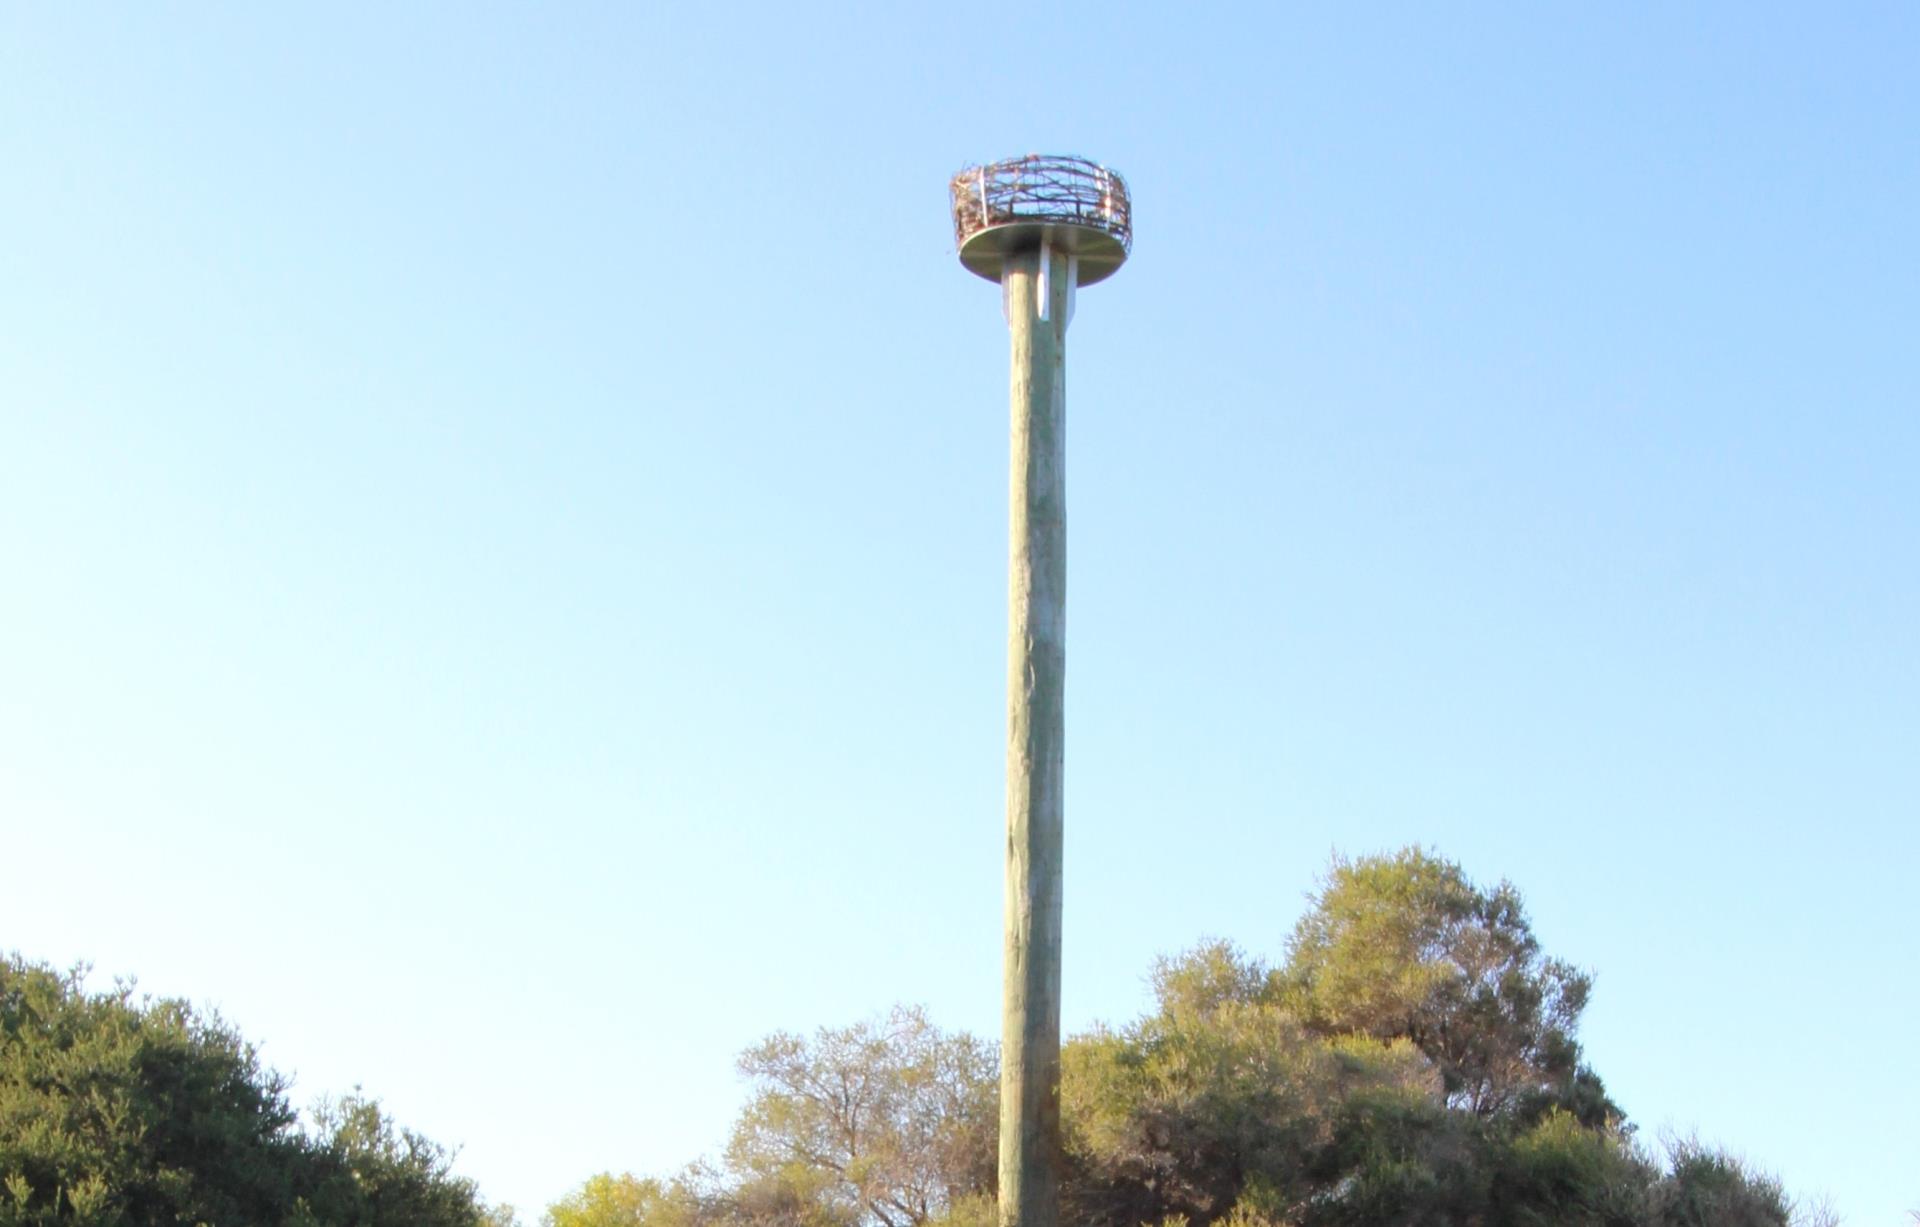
column 1413, row 1061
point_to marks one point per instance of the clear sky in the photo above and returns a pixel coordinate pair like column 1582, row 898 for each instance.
column 503, row 530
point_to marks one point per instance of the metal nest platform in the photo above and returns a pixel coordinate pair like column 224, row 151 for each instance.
column 1077, row 206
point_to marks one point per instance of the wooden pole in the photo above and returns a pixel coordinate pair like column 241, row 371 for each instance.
column 1035, row 286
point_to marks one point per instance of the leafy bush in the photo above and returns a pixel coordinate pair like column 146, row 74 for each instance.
column 118, row 1111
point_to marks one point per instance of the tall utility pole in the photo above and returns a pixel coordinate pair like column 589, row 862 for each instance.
column 1041, row 227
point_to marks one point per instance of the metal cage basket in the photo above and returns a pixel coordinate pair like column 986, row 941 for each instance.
column 1003, row 206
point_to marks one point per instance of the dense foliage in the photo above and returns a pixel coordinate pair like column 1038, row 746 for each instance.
column 1413, row 1063
column 117, row 1111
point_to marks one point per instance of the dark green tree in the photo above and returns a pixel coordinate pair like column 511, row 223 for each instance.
column 116, row 1110
column 125, row 1111
column 358, row 1166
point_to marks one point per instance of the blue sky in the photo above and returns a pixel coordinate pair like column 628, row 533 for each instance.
column 502, row 531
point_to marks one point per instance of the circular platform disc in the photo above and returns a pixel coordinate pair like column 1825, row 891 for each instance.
column 1101, row 255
